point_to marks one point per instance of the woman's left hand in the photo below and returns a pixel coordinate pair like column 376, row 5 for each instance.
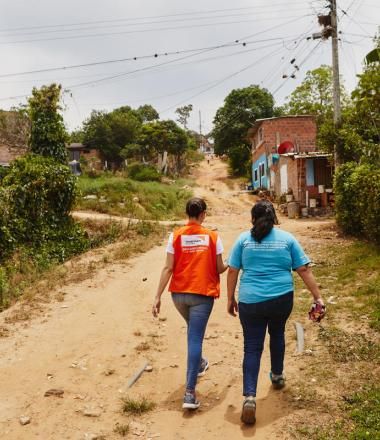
column 232, row 307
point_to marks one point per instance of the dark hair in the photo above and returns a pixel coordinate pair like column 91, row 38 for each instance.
column 195, row 207
column 263, row 218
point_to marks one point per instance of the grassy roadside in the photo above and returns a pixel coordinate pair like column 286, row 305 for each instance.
column 32, row 278
column 118, row 195
column 337, row 392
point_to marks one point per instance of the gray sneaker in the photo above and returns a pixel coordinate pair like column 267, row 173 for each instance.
column 278, row 380
column 203, row 368
column 248, row 413
column 190, row 401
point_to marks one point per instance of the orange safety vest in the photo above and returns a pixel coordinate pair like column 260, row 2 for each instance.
column 195, row 261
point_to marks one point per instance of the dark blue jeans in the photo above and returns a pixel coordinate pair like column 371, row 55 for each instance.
column 255, row 319
column 196, row 310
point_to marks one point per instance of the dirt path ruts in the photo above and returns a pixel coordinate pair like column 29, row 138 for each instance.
column 87, row 347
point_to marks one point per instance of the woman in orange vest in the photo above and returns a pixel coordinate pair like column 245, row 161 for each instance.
column 193, row 263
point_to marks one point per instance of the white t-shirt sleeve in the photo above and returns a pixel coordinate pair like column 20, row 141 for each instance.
column 219, row 246
column 170, row 247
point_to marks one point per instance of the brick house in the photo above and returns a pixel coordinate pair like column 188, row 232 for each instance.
column 14, row 132
column 9, row 153
column 206, row 146
column 285, row 159
column 79, row 152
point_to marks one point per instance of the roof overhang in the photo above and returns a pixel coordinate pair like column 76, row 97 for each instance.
column 311, row 155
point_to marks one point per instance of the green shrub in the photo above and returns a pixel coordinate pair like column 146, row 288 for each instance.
column 143, row 173
column 3, row 172
column 3, row 286
column 357, row 192
column 37, row 197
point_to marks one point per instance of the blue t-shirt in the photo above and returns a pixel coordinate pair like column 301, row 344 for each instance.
column 267, row 266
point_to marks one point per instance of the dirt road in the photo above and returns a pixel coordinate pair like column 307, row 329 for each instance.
column 93, row 342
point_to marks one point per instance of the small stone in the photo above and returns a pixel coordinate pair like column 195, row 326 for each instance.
column 149, row 368
column 162, row 319
column 173, row 366
column 109, row 372
column 79, row 397
column 24, row 420
column 90, row 436
column 144, row 279
column 91, row 412
column 54, row 392
column 137, row 428
column 136, row 199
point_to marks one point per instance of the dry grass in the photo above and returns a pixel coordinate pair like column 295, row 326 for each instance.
column 36, row 287
column 336, row 392
column 138, row 406
column 122, row 430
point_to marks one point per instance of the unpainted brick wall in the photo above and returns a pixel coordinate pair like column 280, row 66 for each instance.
column 301, row 130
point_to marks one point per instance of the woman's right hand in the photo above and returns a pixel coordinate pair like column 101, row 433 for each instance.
column 317, row 311
column 232, row 307
column 156, row 307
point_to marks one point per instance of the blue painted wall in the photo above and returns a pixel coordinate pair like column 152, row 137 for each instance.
column 259, row 179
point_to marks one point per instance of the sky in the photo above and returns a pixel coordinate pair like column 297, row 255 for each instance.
column 187, row 52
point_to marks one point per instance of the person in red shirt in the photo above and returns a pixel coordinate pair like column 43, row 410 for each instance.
column 193, row 264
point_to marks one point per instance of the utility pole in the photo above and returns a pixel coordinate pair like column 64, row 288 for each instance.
column 336, row 80
column 330, row 29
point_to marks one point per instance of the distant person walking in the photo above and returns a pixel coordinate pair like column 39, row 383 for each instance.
column 193, row 264
column 266, row 256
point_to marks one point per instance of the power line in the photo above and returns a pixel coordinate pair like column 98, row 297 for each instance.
column 106, row 34
column 249, row 66
column 281, row 65
column 245, row 14
column 357, row 23
column 281, row 40
column 299, row 65
column 145, row 17
column 135, row 58
column 107, row 78
column 111, row 77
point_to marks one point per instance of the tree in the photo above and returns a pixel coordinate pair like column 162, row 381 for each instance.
column 231, row 123
column 48, row 134
column 76, row 136
column 111, row 132
column 164, row 136
column 147, row 113
column 360, row 130
column 314, row 96
column 184, row 114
